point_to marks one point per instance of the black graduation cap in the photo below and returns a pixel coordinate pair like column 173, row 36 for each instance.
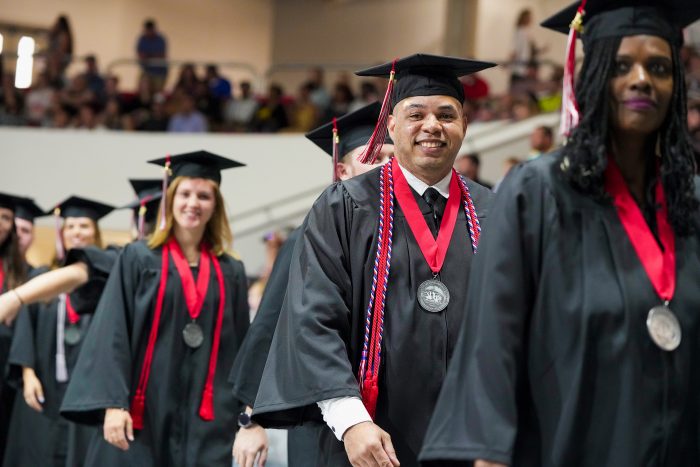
column 354, row 129
column 198, row 164
column 82, row 207
column 622, row 18
column 427, row 75
column 9, row 201
column 146, row 186
column 416, row 75
column 28, row 210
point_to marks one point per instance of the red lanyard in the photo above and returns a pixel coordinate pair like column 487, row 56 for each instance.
column 206, row 408
column 433, row 250
column 72, row 316
column 659, row 265
column 194, row 296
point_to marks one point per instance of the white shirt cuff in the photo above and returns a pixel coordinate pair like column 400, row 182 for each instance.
column 342, row 413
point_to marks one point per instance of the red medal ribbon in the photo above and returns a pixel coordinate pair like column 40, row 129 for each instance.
column 194, row 296
column 71, row 314
column 206, row 408
column 433, row 250
column 659, row 265
column 2, row 276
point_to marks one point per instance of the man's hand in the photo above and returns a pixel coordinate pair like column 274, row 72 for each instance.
column 367, row 445
column 248, row 444
column 481, row 463
column 33, row 391
column 118, row 428
column 9, row 307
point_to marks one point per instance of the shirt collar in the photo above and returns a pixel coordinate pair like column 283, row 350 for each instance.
column 443, row 186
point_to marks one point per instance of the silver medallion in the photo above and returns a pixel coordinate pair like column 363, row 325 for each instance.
column 72, row 334
column 664, row 328
column 192, row 335
column 433, row 295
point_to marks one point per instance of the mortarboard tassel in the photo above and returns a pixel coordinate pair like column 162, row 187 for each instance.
column 142, row 218
column 60, row 252
column 336, row 156
column 164, row 201
column 569, row 106
column 376, row 141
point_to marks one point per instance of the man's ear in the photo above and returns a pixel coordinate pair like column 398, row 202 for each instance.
column 341, row 171
column 391, row 124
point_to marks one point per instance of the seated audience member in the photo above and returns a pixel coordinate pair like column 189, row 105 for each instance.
column 38, row 100
column 369, row 94
column 475, row 88
column 219, row 87
column 155, row 118
column 238, row 112
column 271, row 117
column 188, row 119
column 95, row 82
column 188, row 78
column 541, row 141
column 468, row 165
column 77, row 93
column 304, row 113
column 87, row 118
column 11, row 103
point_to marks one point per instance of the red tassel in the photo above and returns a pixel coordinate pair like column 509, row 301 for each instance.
column 569, row 106
column 206, row 408
column 60, row 249
column 376, row 141
column 164, row 202
column 370, row 393
column 137, row 409
column 336, row 143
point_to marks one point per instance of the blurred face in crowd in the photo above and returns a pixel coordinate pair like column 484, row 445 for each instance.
column 467, row 167
column 540, row 140
column 642, row 84
column 350, row 167
column 78, row 232
column 25, row 233
column 6, row 218
column 427, row 132
column 194, row 203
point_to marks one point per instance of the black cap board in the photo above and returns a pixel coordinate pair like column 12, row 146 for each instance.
column 82, row 207
column 9, row 201
column 354, row 129
column 28, row 210
column 622, row 18
column 427, row 75
column 198, row 164
column 148, row 192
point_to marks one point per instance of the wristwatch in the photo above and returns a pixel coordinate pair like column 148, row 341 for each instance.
column 244, row 420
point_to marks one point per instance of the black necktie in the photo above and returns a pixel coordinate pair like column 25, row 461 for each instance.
column 437, row 203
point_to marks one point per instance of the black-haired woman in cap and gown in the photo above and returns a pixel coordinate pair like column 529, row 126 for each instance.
column 174, row 311
column 582, row 338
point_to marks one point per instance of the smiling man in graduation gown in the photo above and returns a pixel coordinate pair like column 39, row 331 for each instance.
column 343, row 140
column 382, row 264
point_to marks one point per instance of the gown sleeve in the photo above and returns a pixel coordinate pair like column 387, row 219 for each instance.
column 22, row 350
column 249, row 364
column 102, row 376
column 476, row 416
column 99, row 262
column 309, row 356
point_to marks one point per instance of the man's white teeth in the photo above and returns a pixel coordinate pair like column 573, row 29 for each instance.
column 431, row 144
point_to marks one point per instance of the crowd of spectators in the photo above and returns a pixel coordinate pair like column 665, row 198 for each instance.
column 202, row 99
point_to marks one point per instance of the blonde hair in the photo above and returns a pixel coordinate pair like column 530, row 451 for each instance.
column 217, row 233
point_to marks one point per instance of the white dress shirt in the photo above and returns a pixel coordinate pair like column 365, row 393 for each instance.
column 342, row 413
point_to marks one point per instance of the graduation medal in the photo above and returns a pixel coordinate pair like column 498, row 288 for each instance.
column 659, row 263
column 433, row 295
column 192, row 335
column 72, row 334
column 664, row 328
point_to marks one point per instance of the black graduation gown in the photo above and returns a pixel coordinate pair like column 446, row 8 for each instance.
column 316, row 348
column 42, row 438
column 107, row 372
column 302, row 441
column 100, row 263
column 555, row 366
